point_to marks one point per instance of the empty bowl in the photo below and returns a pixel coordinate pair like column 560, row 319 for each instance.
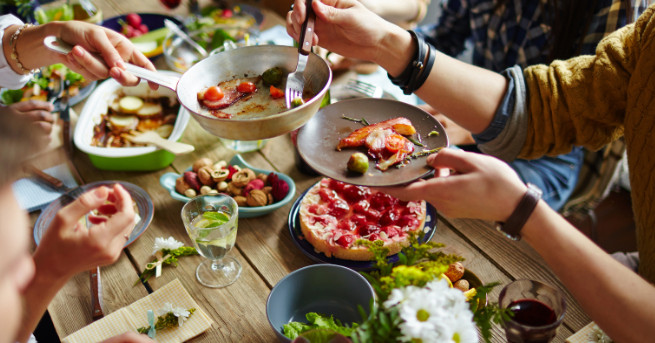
column 328, row 289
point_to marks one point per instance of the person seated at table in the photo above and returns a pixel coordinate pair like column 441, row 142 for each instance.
column 28, row 283
column 37, row 111
column 542, row 109
column 497, row 30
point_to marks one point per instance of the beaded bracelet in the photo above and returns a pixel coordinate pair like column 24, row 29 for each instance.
column 14, row 52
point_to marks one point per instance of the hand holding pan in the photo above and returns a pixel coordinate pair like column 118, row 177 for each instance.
column 242, row 62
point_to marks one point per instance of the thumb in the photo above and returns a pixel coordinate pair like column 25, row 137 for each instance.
column 85, row 203
column 460, row 161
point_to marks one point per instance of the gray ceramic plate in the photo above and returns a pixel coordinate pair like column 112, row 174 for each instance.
column 317, row 140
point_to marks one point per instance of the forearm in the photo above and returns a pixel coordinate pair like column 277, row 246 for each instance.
column 37, row 296
column 619, row 300
column 394, row 11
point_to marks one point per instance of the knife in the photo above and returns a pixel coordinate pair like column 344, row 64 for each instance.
column 96, row 294
column 64, row 114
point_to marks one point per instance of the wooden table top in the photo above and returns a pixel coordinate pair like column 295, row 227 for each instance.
column 264, row 246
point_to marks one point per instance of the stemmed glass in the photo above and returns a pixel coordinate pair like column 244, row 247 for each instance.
column 211, row 223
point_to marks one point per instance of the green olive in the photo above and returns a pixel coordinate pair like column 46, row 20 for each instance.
column 358, row 163
column 273, row 76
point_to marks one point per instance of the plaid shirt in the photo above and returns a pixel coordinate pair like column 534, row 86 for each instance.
column 516, row 34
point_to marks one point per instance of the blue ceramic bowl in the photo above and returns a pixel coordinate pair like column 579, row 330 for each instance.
column 168, row 181
column 328, row 289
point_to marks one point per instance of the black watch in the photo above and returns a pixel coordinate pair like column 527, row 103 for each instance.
column 512, row 227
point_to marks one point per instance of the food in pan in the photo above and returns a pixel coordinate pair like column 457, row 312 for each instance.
column 245, row 97
column 385, row 141
column 128, row 113
column 334, row 215
column 44, row 84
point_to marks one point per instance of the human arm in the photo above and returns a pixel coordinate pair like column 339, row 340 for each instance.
column 403, row 13
column 129, row 337
column 68, row 247
column 617, row 299
column 467, row 94
column 87, row 38
column 39, row 112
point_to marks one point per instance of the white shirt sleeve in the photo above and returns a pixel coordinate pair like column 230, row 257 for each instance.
column 8, row 77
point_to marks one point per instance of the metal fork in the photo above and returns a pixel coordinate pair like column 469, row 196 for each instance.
column 296, row 80
column 371, row 91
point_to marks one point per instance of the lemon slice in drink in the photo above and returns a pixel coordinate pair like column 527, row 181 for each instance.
column 220, row 242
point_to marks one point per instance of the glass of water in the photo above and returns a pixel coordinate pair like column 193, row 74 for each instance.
column 211, row 223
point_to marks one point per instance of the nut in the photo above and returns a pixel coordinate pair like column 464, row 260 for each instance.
column 233, row 189
column 219, row 165
column 268, row 190
column 205, row 190
column 192, row 179
column 262, row 177
column 180, row 185
column 213, row 192
column 201, row 163
column 257, row 197
column 205, row 176
column 219, row 175
column 241, row 200
column 462, row 285
column 455, row 272
column 222, row 186
column 190, row 193
column 270, row 198
column 242, row 177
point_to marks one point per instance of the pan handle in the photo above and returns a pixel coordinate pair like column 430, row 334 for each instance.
column 55, row 44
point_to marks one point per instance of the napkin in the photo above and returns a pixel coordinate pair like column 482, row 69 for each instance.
column 589, row 334
column 135, row 316
column 33, row 194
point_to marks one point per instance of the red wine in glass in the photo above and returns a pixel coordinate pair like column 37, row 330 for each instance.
column 532, row 322
column 171, row 4
column 532, row 312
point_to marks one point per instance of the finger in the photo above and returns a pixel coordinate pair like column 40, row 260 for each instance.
column 122, row 223
column 39, row 116
column 44, row 127
column 461, row 162
column 108, row 48
column 94, row 67
column 33, row 105
column 123, row 77
column 85, row 203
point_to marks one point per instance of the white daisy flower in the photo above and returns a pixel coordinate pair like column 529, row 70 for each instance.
column 169, row 243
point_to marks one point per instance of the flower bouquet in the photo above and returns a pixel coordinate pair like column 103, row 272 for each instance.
column 416, row 302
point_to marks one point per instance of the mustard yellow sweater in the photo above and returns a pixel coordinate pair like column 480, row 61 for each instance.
column 593, row 100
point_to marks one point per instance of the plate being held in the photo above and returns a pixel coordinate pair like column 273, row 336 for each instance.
column 318, row 138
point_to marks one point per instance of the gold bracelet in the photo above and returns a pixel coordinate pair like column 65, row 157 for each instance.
column 14, row 53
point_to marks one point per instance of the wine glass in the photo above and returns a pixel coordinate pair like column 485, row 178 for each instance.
column 538, row 311
column 211, row 223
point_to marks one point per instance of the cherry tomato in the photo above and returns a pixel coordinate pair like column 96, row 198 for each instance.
column 214, row 93
column 276, row 93
column 246, row 87
column 395, row 142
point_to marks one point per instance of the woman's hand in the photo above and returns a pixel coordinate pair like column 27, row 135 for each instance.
column 114, row 48
column 69, row 247
column 345, row 27
column 477, row 186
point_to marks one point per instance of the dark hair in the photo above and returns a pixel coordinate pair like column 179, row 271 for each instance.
column 569, row 21
column 19, row 139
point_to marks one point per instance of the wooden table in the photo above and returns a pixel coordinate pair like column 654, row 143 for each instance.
column 264, row 246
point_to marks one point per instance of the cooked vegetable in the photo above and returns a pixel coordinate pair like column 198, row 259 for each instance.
column 273, row 76
column 11, row 96
column 297, row 102
column 149, row 109
column 358, row 163
column 123, row 123
column 276, row 93
column 246, row 87
column 130, row 104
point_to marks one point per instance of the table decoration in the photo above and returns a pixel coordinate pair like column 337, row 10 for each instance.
column 169, row 316
column 415, row 302
column 166, row 252
column 132, row 317
column 590, row 333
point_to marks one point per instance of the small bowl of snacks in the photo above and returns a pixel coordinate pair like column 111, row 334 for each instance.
column 256, row 191
column 326, row 289
column 113, row 113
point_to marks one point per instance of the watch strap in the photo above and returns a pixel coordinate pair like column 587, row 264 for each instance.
column 512, row 227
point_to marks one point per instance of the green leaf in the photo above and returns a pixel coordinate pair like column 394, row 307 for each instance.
column 11, row 96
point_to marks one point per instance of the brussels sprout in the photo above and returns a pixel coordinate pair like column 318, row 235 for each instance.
column 273, row 76
column 297, row 102
column 358, row 163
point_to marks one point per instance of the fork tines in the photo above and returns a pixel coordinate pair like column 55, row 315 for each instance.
column 365, row 88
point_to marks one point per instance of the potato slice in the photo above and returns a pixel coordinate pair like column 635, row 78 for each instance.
column 130, row 104
column 123, row 123
column 149, row 109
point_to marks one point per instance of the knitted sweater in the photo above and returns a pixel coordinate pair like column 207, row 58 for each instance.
column 593, row 100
